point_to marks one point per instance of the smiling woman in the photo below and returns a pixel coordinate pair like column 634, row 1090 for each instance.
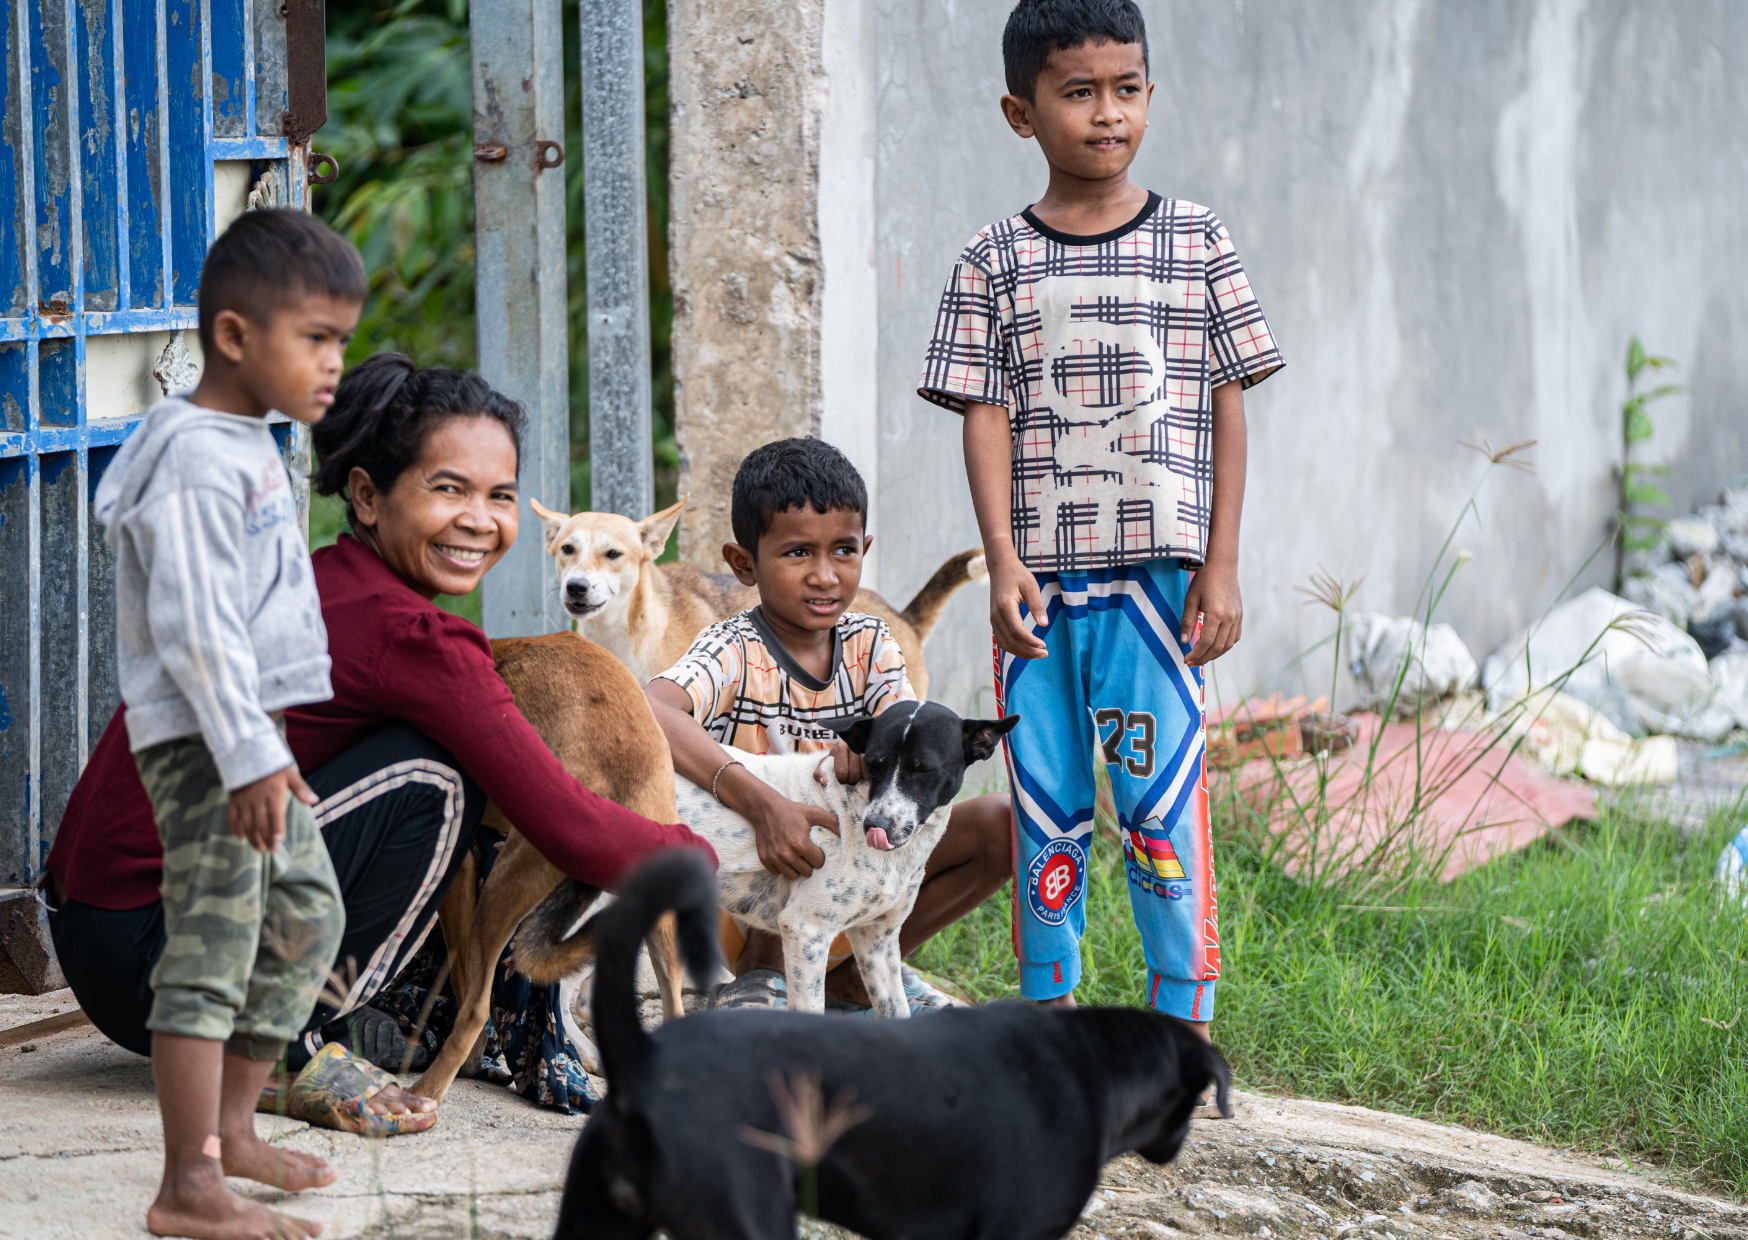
column 420, row 732
column 426, row 461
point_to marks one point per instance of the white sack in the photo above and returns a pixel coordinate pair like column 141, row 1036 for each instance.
column 1647, row 760
column 1439, row 664
column 1653, row 679
column 1729, row 673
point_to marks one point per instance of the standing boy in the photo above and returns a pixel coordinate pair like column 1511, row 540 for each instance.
column 219, row 631
column 1097, row 345
column 773, row 679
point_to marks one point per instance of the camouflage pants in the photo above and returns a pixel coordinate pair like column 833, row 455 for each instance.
column 249, row 937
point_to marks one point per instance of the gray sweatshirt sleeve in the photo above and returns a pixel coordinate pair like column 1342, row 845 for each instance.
column 190, row 542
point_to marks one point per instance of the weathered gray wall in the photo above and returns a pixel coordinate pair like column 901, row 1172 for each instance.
column 745, row 87
column 1455, row 214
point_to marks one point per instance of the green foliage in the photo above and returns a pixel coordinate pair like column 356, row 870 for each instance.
column 400, row 108
column 1635, row 531
column 1583, row 992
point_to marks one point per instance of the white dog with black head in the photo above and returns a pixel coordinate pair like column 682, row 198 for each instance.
column 916, row 754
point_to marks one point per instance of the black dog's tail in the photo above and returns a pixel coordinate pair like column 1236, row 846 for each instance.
column 677, row 880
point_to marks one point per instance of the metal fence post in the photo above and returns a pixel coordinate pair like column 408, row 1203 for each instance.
column 519, row 239
column 621, row 474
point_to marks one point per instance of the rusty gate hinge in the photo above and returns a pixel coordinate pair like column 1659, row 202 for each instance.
column 306, row 69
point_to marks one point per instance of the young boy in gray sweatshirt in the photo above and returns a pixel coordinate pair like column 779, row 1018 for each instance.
column 219, row 630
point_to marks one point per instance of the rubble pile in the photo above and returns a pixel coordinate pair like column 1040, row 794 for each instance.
column 1698, row 575
column 1602, row 685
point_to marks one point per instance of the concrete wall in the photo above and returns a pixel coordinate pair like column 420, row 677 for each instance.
column 1455, row 214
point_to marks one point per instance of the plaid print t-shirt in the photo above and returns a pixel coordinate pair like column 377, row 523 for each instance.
column 1105, row 351
column 750, row 693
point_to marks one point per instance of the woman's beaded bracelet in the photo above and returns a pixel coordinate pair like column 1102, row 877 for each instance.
column 718, row 775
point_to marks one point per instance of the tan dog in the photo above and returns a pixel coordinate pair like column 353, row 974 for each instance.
column 647, row 614
column 593, row 715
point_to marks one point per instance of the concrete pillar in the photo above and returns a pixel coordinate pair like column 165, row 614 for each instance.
column 747, row 93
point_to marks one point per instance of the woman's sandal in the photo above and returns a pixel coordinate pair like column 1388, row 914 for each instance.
column 334, row 1091
column 756, row 988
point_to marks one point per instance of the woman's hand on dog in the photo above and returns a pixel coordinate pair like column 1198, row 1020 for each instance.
column 781, row 830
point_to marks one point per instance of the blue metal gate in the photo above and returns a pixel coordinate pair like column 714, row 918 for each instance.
column 134, row 132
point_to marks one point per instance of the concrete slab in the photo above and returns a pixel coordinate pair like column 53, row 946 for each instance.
column 80, row 1147
column 82, row 1151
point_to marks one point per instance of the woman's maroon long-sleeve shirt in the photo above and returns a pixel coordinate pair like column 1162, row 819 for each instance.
column 396, row 656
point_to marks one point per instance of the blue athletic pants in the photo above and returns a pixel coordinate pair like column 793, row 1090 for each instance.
column 1115, row 682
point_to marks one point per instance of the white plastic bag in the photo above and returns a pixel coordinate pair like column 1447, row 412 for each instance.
column 1644, row 674
column 1729, row 674
column 1439, row 665
column 1565, row 736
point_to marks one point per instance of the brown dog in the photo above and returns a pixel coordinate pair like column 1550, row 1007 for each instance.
column 647, row 614
column 593, row 715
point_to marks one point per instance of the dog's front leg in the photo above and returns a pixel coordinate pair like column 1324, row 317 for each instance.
column 876, row 946
column 520, row 880
column 664, row 955
column 807, row 944
column 455, row 919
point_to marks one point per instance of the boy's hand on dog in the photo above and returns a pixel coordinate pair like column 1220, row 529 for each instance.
column 1213, row 593
column 256, row 812
column 847, row 766
column 780, row 830
column 1010, row 584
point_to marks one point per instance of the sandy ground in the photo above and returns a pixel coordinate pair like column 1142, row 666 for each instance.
column 80, row 1148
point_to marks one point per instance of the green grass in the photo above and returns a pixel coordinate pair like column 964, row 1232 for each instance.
column 1586, row 992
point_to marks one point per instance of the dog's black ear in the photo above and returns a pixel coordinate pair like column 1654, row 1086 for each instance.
column 982, row 734
column 854, row 732
column 1222, row 1082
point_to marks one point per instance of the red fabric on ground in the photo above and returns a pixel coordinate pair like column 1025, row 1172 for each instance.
column 1454, row 795
column 396, row 656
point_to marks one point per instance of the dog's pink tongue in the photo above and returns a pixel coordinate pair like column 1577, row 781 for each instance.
column 877, row 838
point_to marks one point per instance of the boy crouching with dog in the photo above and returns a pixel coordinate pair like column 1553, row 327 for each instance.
column 1098, row 345
column 219, row 631
column 769, row 680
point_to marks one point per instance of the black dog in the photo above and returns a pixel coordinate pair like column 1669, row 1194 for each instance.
column 986, row 1122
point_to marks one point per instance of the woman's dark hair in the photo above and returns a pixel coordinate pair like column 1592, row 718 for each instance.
column 386, row 409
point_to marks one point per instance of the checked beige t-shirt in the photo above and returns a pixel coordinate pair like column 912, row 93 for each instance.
column 750, row 693
column 1105, row 351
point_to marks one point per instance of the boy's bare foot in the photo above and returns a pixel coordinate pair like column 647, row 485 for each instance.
column 292, row 1170
column 1064, row 1002
column 200, row 1204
